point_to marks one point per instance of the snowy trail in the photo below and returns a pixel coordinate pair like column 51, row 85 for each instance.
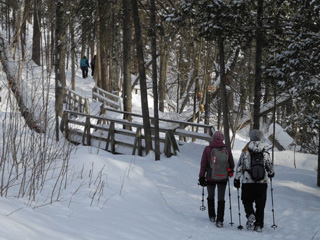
column 294, row 202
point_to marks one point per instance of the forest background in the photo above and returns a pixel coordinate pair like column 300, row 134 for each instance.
column 231, row 63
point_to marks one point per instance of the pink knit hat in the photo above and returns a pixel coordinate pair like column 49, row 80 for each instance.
column 218, row 136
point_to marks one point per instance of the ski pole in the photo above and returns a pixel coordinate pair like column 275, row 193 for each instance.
column 202, row 207
column 240, row 226
column 231, row 223
column 274, row 226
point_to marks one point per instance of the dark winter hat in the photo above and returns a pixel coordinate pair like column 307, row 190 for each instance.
column 256, row 135
column 218, row 136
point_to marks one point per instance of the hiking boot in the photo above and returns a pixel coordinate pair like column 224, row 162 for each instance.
column 220, row 211
column 250, row 222
column 219, row 224
column 257, row 228
column 211, row 210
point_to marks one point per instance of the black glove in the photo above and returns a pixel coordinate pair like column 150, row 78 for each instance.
column 236, row 183
column 203, row 181
column 271, row 175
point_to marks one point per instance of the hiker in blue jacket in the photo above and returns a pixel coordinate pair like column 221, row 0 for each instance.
column 207, row 177
column 84, row 64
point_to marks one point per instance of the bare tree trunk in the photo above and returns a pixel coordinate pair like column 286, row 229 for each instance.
column 196, row 97
column 154, row 77
column 127, row 90
column 223, row 92
column 319, row 156
column 207, row 88
column 36, row 32
column 191, row 72
column 142, row 74
column 97, row 75
column 73, row 55
column 59, row 64
column 18, row 13
column 257, row 88
column 163, row 73
column 104, row 42
column 53, row 44
column 115, row 50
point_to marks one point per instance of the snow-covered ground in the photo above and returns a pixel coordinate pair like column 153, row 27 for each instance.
column 119, row 197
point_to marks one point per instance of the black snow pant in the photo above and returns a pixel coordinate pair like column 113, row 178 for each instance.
column 211, row 196
column 92, row 70
column 255, row 193
column 84, row 72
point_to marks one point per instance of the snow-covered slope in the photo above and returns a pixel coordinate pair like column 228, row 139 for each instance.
column 119, row 197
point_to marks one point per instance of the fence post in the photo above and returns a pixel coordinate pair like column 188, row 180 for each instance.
column 111, row 138
column 64, row 124
column 137, row 143
column 86, row 132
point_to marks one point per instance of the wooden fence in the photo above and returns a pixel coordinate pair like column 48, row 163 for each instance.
column 114, row 135
column 75, row 102
column 107, row 98
column 179, row 127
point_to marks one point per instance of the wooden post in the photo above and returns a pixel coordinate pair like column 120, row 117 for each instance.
column 64, row 124
column 110, row 136
column 167, row 145
column 86, row 132
column 173, row 142
column 137, row 143
column 86, row 106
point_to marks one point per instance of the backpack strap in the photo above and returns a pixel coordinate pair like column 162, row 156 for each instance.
column 246, row 147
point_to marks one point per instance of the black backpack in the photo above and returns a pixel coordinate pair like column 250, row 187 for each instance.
column 257, row 170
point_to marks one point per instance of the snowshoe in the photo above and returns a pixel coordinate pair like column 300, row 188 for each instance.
column 250, row 222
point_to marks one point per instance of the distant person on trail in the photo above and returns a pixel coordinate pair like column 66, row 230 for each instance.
column 216, row 167
column 254, row 167
column 93, row 62
column 84, row 66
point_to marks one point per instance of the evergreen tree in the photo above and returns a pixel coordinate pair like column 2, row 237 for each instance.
column 220, row 21
column 294, row 64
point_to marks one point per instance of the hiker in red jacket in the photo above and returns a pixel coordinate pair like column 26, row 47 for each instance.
column 216, row 167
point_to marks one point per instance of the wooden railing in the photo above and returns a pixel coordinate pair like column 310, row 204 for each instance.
column 75, row 102
column 178, row 127
column 107, row 98
column 112, row 134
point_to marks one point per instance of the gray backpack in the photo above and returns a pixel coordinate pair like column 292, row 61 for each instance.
column 218, row 169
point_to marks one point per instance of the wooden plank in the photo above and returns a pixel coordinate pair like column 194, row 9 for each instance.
column 107, row 101
column 182, row 123
column 202, row 136
column 276, row 143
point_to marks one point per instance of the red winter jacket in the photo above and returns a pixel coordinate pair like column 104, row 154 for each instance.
column 206, row 155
